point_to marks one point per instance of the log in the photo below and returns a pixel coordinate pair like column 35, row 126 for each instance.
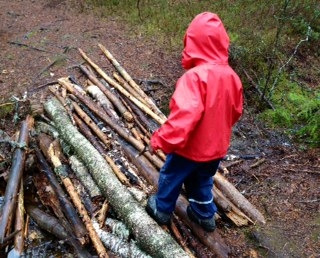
column 115, row 101
column 123, row 91
column 15, row 176
column 55, row 92
column 66, row 205
column 133, row 84
column 84, row 176
column 149, row 236
column 52, row 225
column 145, row 168
column 238, row 199
column 117, row 228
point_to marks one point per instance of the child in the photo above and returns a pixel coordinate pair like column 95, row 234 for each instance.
column 206, row 103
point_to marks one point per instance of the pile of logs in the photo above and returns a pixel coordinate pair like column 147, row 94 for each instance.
column 92, row 171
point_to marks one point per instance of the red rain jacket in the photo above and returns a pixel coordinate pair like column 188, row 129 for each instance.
column 208, row 98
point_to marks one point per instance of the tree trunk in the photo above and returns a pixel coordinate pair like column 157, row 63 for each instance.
column 145, row 230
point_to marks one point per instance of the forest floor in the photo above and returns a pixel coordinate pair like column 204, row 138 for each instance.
column 38, row 44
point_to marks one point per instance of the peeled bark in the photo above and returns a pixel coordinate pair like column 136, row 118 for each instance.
column 145, row 230
column 238, row 199
column 15, row 175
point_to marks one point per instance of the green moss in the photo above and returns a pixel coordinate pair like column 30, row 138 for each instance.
column 6, row 109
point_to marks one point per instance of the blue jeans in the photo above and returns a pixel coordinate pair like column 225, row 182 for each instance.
column 197, row 178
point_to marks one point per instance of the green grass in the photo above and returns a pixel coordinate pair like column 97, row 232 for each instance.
column 263, row 34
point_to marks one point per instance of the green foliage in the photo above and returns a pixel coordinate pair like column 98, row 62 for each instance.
column 299, row 114
column 269, row 39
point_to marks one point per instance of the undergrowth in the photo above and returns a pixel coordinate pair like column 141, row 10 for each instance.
column 275, row 42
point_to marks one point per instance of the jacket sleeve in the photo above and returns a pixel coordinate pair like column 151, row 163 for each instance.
column 238, row 104
column 186, row 108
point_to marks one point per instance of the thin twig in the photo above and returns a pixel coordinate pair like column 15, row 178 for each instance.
column 25, row 45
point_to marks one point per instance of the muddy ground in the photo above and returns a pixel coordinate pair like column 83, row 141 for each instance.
column 38, row 44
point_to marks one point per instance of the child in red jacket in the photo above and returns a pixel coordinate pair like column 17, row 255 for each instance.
column 206, row 103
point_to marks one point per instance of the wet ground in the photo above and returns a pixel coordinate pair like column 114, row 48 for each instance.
column 38, row 44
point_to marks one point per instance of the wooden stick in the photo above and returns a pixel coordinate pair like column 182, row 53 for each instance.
column 103, row 213
column 180, row 240
column 15, row 175
column 62, row 173
column 115, row 101
column 122, row 90
column 102, row 136
column 147, row 123
column 6, row 241
column 20, row 223
column 123, row 179
column 68, row 209
column 125, row 85
column 133, row 84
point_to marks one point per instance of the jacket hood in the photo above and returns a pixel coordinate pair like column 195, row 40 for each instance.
column 205, row 41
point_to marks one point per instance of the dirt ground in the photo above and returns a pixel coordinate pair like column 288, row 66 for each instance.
column 38, row 44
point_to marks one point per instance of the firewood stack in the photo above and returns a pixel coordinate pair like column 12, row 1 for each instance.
column 91, row 144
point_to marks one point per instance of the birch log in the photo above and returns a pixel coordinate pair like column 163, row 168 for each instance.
column 146, row 231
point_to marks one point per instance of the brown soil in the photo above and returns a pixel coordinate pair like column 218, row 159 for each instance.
column 285, row 187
